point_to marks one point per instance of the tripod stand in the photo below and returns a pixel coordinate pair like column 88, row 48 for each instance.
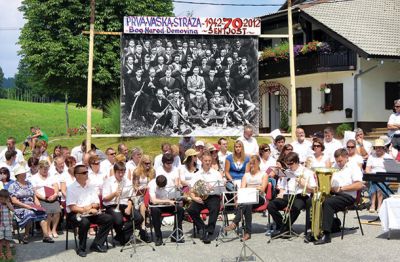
column 177, row 233
column 243, row 251
column 133, row 239
column 228, row 200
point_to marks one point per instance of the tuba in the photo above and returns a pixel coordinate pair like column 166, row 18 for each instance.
column 324, row 177
column 201, row 189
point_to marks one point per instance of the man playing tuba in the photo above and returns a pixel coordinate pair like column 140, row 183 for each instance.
column 345, row 184
column 294, row 190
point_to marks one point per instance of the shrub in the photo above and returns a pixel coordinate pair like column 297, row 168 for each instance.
column 111, row 125
column 343, row 127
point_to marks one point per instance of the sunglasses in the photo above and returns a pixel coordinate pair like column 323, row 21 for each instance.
column 289, row 149
column 82, row 173
column 396, row 106
column 379, row 147
column 289, row 163
column 267, row 149
column 147, row 163
column 350, row 147
column 316, row 146
column 96, row 163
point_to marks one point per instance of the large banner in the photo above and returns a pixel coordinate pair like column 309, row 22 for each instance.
column 199, row 84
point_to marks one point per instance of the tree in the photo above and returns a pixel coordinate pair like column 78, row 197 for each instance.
column 55, row 53
column 1, row 77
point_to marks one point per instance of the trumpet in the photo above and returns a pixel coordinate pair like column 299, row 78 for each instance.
column 120, row 188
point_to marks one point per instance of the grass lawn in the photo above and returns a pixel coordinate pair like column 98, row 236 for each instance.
column 16, row 117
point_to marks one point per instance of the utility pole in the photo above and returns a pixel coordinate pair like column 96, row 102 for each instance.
column 292, row 73
column 90, row 76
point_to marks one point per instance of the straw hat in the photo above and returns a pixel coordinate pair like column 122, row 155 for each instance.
column 385, row 139
column 190, row 152
column 379, row 143
column 20, row 170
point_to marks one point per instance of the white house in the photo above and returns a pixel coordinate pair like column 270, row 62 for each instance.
column 352, row 64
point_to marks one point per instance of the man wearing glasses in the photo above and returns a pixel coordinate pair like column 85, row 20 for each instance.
column 83, row 206
column 107, row 164
column 394, row 125
column 296, row 181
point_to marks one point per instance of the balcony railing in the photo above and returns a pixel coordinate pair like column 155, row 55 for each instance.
column 308, row 64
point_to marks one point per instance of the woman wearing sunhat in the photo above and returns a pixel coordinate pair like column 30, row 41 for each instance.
column 374, row 165
column 189, row 167
column 27, row 206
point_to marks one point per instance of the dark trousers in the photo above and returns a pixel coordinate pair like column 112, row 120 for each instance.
column 280, row 203
column 247, row 211
column 156, row 217
column 104, row 221
column 212, row 203
column 124, row 230
column 332, row 205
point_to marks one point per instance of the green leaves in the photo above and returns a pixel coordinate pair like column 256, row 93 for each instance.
column 55, row 52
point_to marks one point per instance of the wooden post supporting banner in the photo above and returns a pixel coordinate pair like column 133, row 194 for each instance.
column 90, row 76
column 292, row 73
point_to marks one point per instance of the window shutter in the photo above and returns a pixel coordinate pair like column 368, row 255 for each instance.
column 337, row 96
column 303, row 100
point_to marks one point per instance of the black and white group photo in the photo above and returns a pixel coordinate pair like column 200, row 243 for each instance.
column 188, row 85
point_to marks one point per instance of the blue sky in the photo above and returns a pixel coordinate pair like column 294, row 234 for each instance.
column 11, row 20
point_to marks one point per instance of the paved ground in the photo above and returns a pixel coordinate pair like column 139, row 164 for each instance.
column 373, row 246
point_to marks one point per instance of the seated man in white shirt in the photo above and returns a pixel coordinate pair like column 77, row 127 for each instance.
column 301, row 145
column 117, row 192
column 162, row 191
column 11, row 147
column 212, row 203
column 249, row 142
column 297, row 178
column 345, row 184
column 83, row 199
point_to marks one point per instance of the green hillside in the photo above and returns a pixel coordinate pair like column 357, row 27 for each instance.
column 16, row 117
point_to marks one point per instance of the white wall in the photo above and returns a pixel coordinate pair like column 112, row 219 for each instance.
column 315, row 81
column 371, row 89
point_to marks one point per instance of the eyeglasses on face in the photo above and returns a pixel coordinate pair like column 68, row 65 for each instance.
column 147, row 163
column 82, row 173
column 289, row 163
column 96, row 163
column 316, row 145
column 111, row 154
column 350, row 147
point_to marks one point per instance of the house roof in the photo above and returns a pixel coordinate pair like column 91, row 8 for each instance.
column 372, row 27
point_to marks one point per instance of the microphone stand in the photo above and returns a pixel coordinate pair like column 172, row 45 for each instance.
column 132, row 241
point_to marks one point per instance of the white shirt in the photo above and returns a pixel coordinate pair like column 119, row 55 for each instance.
column 252, row 181
column 394, row 119
column 265, row 164
column 349, row 174
column 81, row 196
column 184, row 174
column 367, row 146
column 376, row 163
column 19, row 159
column 158, row 161
column 168, row 192
column 212, row 177
column 314, row 162
column 77, row 153
column 173, row 174
column 38, row 183
column 331, row 147
column 222, row 158
column 356, row 159
column 96, row 180
column 289, row 183
column 274, row 151
column 130, row 166
column 302, row 149
column 111, row 185
column 58, row 176
column 250, row 145
column 105, row 167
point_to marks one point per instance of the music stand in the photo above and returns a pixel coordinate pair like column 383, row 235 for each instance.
column 243, row 255
column 174, row 193
column 132, row 241
column 227, row 201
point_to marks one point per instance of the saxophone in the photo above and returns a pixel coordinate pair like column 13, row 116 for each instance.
column 324, row 177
